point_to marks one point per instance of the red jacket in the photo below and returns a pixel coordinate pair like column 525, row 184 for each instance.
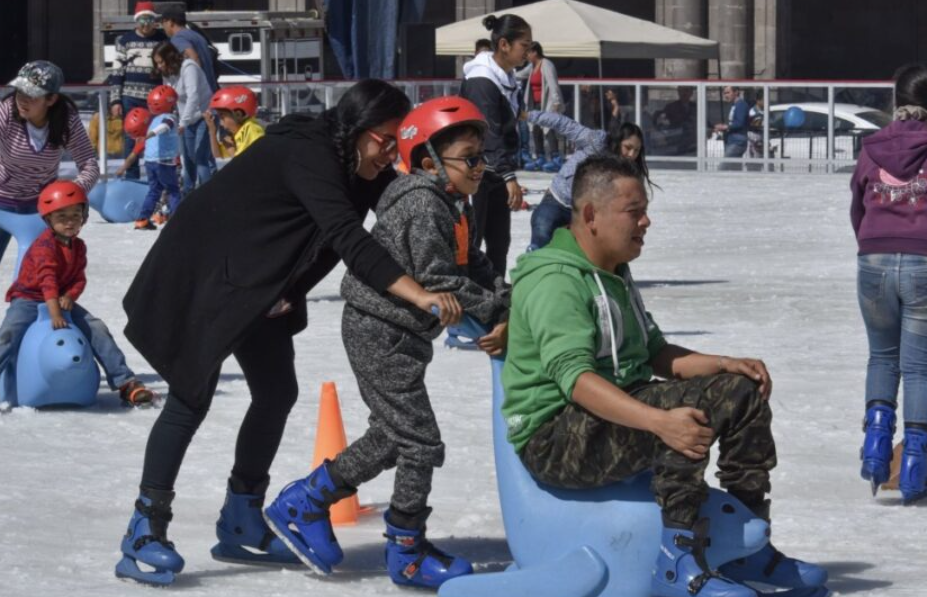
column 51, row 269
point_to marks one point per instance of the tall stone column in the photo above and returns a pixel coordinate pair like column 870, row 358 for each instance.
column 101, row 9
column 730, row 22
column 765, row 29
column 688, row 16
column 289, row 5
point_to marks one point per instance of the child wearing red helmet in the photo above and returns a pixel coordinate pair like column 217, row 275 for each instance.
column 52, row 272
column 235, row 108
column 425, row 221
column 155, row 134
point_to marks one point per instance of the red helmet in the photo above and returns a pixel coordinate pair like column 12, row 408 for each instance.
column 136, row 122
column 60, row 194
column 162, row 100
column 433, row 116
column 235, row 98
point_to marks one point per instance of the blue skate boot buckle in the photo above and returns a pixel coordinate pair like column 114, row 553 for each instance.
column 146, row 541
column 300, row 518
column 244, row 537
column 681, row 569
column 876, row 453
column 412, row 560
column 913, row 478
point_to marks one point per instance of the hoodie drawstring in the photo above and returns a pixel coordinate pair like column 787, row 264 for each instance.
column 611, row 322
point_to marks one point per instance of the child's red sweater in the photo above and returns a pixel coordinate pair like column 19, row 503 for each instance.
column 50, row 270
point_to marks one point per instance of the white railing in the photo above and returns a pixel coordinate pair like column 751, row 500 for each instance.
column 837, row 116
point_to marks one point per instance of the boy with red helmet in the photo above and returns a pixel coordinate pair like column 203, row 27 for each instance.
column 424, row 221
column 235, row 108
column 155, row 134
column 52, row 272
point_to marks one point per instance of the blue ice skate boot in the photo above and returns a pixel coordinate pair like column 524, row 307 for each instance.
column 554, row 164
column 876, row 452
column 524, row 157
column 682, row 571
column 411, row 559
column 300, row 517
column 244, row 537
column 534, row 165
column 913, row 465
column 146, row 541
column 771, row 567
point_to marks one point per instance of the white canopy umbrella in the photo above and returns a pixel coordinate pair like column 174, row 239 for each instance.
column 571, row 29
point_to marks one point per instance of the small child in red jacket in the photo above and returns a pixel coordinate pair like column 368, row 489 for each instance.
column 52, row 272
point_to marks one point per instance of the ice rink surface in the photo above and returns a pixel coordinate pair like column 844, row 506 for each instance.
column 741, row 264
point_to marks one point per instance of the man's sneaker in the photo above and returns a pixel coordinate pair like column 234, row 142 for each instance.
column 134, row 393
column 145, row 225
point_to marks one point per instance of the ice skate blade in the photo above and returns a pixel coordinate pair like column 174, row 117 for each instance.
column 285, row 536
column 874, row 485
column 128, row 569
column 802, row 592
column 234, row 554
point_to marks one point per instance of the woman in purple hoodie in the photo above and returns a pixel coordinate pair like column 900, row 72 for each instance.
column 889, row 215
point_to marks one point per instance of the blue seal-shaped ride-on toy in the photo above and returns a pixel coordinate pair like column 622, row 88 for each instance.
column 118, row 200
column 55, row 367
column 465, row 334
column 590, row 542
column 25, row 228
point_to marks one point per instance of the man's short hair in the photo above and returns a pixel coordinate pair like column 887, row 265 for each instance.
column 595, row 175
column 174, row 14
column 482, row 44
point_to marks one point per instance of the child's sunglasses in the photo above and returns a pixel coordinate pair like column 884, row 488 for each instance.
column 472, row 162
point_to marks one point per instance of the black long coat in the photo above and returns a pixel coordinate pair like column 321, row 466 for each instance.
column 272, row 223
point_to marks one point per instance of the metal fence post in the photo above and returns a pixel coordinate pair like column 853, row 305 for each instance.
column 102, row 110
column 831, row 153
column 701, row 115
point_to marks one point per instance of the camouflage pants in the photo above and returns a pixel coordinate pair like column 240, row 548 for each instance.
column 576, row 449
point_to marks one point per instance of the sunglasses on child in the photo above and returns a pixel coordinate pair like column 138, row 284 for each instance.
column 387, row 144
column 146, row 20
column 472, row 162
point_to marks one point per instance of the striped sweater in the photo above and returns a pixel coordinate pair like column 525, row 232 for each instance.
column 24, row 172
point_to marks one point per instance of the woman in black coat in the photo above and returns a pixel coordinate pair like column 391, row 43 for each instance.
column 229, row 275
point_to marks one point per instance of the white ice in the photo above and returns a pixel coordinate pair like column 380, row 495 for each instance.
column 740, row 264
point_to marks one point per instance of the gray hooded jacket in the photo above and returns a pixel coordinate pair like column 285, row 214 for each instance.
column 415, row 223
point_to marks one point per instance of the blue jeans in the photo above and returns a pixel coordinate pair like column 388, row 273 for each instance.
column 549, row 215
column 734, row 147
column 23, row 313
column 198, row 163
column 160, row 177
column 133, row 173
column 892, row 290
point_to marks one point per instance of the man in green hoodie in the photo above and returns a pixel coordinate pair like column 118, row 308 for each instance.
column 583, row 411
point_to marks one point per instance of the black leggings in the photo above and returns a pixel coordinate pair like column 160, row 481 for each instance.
column 493, row 220
column 266, row 358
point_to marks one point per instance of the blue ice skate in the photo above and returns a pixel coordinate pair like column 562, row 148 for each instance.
column 771, row 567
column 300, row 518
column 913, row 476
column 412, row 560
column 876, row 452
column 682, row 570
column 244, row 537
column 146, row 541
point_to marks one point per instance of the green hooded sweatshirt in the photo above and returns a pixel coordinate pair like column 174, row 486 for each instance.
column 558, row 329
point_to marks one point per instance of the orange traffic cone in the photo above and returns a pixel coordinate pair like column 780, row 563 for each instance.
column 330, row 441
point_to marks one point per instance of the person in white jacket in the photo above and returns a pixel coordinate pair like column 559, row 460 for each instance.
column 194, row 94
